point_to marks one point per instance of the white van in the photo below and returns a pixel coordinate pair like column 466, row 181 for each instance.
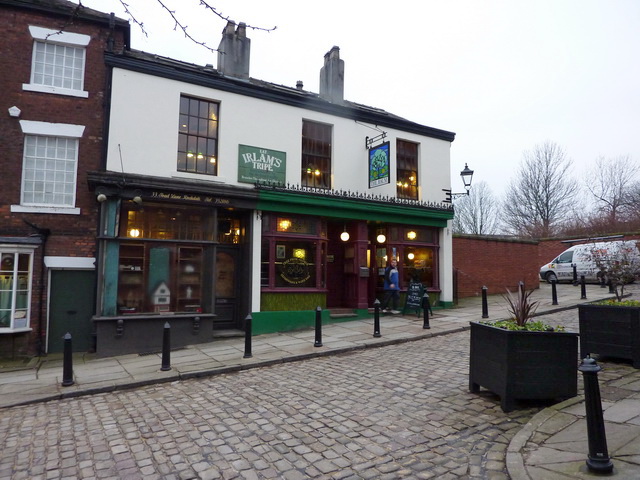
column 560, row 268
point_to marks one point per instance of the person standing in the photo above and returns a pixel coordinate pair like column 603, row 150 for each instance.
column 391, row 288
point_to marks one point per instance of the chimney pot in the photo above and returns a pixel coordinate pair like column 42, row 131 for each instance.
column 299, row 85
column 234, row 51
column 332, row 77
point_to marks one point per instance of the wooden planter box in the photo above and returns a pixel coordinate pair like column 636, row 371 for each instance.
column 523, row 365
column 611, row 331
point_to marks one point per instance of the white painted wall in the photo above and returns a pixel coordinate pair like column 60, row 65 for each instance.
column 144, row 129
column 143, row 139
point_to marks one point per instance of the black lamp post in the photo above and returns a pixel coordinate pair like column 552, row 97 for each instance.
column 467, row 176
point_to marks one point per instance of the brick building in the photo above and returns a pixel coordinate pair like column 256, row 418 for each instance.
column 54, row 87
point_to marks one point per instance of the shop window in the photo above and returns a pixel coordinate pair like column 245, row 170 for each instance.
column 295, row 264
column 316, row 155
column 230, row 231
column 407, row 170
column 198, row 136
column 15, row 289
column 166, row 223
column 161, row 278
column 418, row 266
column 293, row 253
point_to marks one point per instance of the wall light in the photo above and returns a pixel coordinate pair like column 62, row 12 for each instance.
column 344, row 236
column 411, row 235
column 101, row 197
column 381, row 238
column 411, row 256
column 284, row 224
column 137, row 200
column 134, row 233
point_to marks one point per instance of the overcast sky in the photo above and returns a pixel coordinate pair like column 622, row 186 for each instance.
column 504, row 75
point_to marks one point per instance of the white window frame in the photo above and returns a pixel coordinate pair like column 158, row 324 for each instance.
column 23, row 326
column 58, row 130
column 75, row 40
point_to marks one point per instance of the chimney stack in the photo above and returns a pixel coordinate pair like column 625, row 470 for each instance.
column 332, row 77
column 234, row 51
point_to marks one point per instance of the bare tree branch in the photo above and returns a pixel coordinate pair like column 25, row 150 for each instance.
column 476, row 213
column 179, row 24
column 610, row 182
column 536, row 201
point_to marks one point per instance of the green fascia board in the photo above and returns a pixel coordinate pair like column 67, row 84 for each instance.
column 354, row 209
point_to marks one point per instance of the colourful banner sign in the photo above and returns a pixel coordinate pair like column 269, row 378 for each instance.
column 379, row 165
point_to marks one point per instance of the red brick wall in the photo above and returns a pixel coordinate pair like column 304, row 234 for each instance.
column 498, row 264
column 71, row 235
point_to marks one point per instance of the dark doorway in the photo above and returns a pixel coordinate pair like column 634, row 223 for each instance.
column 71, row 306
column 335, row 266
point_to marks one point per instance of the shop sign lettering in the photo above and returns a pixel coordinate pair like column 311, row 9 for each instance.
column 261, row 165
column 295, row 271
column 187, row 197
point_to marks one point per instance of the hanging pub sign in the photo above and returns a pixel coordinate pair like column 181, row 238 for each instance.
column 379, row 165
column 261, row 165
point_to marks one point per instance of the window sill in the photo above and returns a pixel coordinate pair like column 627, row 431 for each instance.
column 30, row 87
column 50, row 210
column 200, row 176
column 42, row 209
column 15, row 330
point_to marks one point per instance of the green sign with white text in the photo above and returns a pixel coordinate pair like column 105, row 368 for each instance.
column 261, row 165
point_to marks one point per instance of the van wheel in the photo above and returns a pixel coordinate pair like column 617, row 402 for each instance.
column 551, row 277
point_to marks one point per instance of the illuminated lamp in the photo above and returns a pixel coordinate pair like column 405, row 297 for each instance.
column 299, row 253
column 411, row 235
column 411, row 256
column 381, row 238
column 134, row 233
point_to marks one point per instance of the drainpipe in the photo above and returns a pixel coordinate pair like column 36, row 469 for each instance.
column 43, row 233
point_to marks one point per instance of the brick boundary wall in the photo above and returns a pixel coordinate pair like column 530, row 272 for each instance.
column 499, row 263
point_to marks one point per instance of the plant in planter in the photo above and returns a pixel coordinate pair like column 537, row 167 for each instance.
column 521, row 359
column 612, row 327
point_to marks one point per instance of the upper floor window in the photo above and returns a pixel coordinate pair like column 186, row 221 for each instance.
column 198, row 136
column 407, row 169
column 15, row 288
column 49, row 167
column 316, row 155
column 58, row 62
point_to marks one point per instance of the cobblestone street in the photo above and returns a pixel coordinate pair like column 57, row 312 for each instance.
column 401, row 411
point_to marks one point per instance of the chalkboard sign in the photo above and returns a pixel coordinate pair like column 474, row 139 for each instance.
column 415, row 291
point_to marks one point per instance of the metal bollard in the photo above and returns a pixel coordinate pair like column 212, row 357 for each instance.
column 247, row 336
column 376, row 318
column 554, row 292
column 598, row 459
column 166, row 348
column 612, row 288
column 485, row 305
column 426, row 306
column 67, row 362
column 575, row 274
column 318, row 342
column 583, row 288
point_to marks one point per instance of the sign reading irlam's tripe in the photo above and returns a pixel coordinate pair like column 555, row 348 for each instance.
column 260, row 164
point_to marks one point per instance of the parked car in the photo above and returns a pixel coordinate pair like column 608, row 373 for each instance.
column 583, row 256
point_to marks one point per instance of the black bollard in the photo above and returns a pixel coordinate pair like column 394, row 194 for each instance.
column 166, row 348
column 376, row 318
column 583, row 288
column 67, row 362
column 318, row 342
column 485, row 305
column 554, row 293
column 598, row 460
column 426, row 306
column 247, row 336
column 603, row 281
column 612, row 289
column 575, row 274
